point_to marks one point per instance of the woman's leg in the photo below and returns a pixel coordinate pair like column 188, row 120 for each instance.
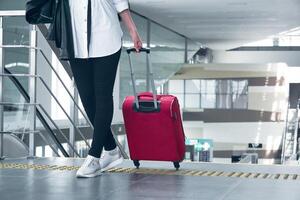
column 105, row 69
column 82, row 70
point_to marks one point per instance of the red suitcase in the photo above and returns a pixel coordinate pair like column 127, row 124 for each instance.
column 153, row 124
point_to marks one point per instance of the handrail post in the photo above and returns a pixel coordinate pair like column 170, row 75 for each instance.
column 296, row 128
column 1, row 92
column 74, row 117
column 32, row 88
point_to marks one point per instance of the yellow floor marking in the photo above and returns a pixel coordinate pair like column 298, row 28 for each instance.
column 180, row 172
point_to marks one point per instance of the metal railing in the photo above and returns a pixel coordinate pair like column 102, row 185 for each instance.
column 56, row 100
column 32, row 65
column 56, row 74
column 32, row 57
column 25, row 95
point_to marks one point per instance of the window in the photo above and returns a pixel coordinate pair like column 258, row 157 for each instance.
column 176, row 86
column 224, row 94
column 208, row 93
column 192, row 93
column 192, row 101
column 211, row 94
column 240, row 94
column 192, row 86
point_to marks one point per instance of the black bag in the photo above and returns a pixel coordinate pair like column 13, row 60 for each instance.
column 60, row 30
column 57, row 13
column 40, row 11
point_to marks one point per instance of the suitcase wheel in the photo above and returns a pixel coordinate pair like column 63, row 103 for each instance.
column 136, row 163
column 176, row 165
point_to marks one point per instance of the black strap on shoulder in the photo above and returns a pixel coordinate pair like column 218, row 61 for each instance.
column 89, row 23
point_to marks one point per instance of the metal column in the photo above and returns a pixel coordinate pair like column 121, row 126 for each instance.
column 74, row 116
column 1, row 91
column 148, row 45
column 32, row 88
column 186, row 51
column 295, row 146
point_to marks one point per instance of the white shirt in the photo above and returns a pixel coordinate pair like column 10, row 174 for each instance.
column 106, row 32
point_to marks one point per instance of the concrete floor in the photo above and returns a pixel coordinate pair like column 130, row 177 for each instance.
column 63, row 185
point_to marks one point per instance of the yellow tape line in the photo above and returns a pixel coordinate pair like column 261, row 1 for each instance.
column 157, row 171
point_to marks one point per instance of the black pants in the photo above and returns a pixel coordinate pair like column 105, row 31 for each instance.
column 94, row 78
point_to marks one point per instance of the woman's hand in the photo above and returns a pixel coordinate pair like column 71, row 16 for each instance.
column 137, row 42
column 127, row 19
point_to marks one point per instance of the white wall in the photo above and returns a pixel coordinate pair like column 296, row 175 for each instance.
column 291, row 58
column 118, row 116
column 44, row 71
column 268, row 98
column 232, row 136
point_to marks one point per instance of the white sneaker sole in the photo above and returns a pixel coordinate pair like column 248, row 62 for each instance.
column 97, row 173
column 113, row 164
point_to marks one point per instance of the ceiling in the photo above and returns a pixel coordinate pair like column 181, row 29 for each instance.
column 223, row 24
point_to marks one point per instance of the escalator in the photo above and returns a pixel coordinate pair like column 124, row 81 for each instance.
column 290, row 139
column 290, row 146
column 51, row 136
column 14, row 147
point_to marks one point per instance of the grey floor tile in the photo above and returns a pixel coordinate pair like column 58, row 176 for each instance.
column 44, row 184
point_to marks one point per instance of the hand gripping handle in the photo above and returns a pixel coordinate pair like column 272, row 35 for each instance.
column 147, row 50
column 149, row 66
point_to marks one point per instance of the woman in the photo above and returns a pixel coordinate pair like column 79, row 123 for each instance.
column 97, row 42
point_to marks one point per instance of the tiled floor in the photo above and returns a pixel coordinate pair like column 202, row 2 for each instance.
column 63, row 185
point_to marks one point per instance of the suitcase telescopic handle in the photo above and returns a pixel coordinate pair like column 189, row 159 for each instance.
column 129, row 50
column 149, row 66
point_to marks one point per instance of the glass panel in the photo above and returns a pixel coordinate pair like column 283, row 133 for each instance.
column 224, row 101
column 208, row 101
column 12, row 5
column 166, row 44
column 168, row 51
column 208, row 93
column 180, row 98
column 192, row 86
column 192, row 101
column 10, row 92
column 176, row 86
column 240, row 101
column 240, row 86
column 17, row 120
column 224, row 94
column 208, row 86
column 16, row 117
column 16, row 32
column 240, row 94
column 224, row 86
column 16, row 60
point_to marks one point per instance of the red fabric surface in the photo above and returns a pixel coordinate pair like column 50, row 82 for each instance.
column 155, row 136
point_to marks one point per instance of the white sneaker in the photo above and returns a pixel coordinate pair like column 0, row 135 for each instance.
column 89, row 168
column 110, row 159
